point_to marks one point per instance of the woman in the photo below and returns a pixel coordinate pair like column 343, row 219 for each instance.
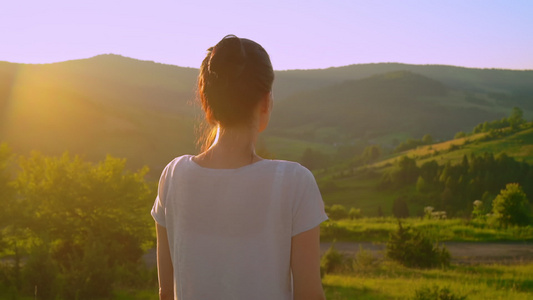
column 231, row 225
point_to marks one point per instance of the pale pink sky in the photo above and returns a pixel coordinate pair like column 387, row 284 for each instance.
column 297, row 34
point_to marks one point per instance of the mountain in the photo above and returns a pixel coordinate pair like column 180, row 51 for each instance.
column 103, row 105
column 379, row 105
column 143, row 111
column 498, row 81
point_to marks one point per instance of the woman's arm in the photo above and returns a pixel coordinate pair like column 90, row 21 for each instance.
column 305, row 265
column 165, row 270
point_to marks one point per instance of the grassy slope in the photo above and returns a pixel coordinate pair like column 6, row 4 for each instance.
column 361, row 192
column 104, row 105
column 449, row 230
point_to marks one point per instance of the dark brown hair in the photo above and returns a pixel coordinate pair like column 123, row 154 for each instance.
column 234, row 76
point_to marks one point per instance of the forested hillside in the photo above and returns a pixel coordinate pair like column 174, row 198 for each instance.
column 448, row 176
column 144, row 111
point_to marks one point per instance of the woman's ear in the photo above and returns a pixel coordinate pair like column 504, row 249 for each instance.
column 265, row 108
column 267, row 103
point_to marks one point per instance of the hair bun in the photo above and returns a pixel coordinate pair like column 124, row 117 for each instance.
column 228, row 58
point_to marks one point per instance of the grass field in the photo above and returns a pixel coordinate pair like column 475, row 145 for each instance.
column 388, row 280
column 517, row 145
column 360, row 193
column 456, row 230
column 391, row 281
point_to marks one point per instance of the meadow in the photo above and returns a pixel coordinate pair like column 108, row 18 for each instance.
column 385, row 280
column 378, row 229
column 390, row 281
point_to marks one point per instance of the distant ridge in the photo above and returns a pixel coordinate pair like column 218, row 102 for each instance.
column 143, row 111
column 384, row 104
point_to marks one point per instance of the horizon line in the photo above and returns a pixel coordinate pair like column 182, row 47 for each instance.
column 280, row 70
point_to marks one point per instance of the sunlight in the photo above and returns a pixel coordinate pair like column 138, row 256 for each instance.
column 44, row 107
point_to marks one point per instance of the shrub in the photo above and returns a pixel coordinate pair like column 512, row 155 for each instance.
column 399, row 207
column 436, row 293
column 364, row 260
column 89, row 276
column 40, row 273
column 329, row 230
column 478, row 212
column 459, row 135
column 338, row 212
column 411, row 248
column 331, row 261
column 431, row 213
column 511, row 206
column 355, row 213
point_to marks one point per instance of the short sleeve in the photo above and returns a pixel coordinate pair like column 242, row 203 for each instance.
column 308, row 207
column 158, row 209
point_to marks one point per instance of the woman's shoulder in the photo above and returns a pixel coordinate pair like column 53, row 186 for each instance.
column 180, row 160
column 291, row 167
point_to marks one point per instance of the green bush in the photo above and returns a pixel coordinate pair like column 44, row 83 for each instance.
column 411, row 248
column 436, row 293
column 331, row 231
column 88, row 274
column 40, row 273
column 338, row 212
column 355, row 213
column 364, row 261
column 511, row 206
column 399, row 207
column 478, row 212
column 331, row 261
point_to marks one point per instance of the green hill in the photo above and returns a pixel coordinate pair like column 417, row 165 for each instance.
column 508, row 82
column 103, row 105
column 380, row 105
column 360, row 187
column 141, row 110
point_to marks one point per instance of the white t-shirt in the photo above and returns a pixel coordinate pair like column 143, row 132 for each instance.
column 230, row 230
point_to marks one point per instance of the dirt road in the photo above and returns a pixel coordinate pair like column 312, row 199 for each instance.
column 462, row 252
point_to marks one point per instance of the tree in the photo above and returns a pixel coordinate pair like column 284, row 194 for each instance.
column 421, row 185
column 406, row 171
column 354, row 213
column 427, row 139
column 516, row 118
column 380, row 211
column 338, row 212
column 91, row 217
column 511, row 206
column 399, row 208
column 429, row 171
column 331, row 261
column 371, row 153
column 459, row 135
column 478, row 211
column 6, row 189
column 411, row 248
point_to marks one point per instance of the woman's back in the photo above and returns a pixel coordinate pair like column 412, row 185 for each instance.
column 230, row 230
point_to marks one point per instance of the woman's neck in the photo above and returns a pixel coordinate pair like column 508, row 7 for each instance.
column 233, row 148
